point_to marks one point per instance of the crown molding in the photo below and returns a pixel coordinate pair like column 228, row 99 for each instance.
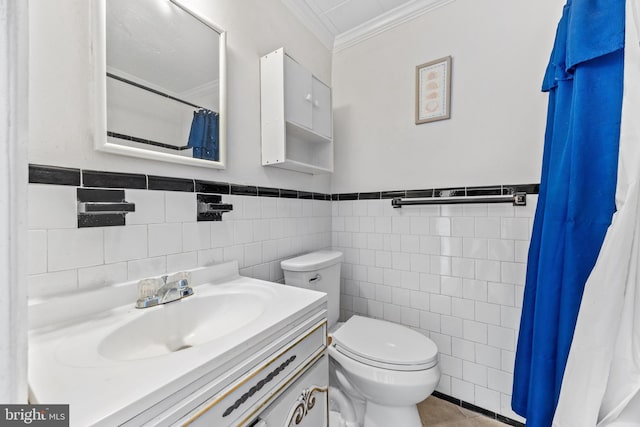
column 385, row 22
column 311, row 21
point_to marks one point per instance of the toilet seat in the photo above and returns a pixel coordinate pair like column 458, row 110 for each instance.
column 385, row 345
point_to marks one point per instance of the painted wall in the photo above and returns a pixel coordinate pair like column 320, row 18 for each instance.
column 500, row 49
column 61, row 105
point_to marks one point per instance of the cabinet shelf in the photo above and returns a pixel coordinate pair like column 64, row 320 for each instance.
column 295, row 116
column 297, row 166
column 297, row 131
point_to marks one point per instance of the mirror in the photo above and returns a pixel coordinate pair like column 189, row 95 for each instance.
column 165, row 83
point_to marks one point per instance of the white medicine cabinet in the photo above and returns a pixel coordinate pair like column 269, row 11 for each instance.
column 296, row 116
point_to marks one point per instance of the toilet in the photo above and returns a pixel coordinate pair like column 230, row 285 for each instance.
column 379, row 370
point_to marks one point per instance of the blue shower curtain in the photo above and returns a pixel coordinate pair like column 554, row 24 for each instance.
column 577, row 196
column 203, row 138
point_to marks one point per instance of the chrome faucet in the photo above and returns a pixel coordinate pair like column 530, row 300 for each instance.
column 168, row 291
column 173, row 291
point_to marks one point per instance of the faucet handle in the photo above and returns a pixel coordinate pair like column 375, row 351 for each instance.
column 148, row 292
column 148, row 287
column 181, row 280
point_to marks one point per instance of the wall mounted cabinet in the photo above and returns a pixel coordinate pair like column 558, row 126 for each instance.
column 296, row 116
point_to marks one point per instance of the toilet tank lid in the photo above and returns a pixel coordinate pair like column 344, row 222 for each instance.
column 312, row 261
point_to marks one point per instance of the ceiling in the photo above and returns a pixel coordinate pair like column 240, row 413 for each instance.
column 160, row 44
column 341, row 23
column 339, row 16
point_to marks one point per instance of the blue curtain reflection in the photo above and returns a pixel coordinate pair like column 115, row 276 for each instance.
column 203, row 137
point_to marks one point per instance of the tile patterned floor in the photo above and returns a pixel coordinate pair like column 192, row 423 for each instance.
column 436, row 412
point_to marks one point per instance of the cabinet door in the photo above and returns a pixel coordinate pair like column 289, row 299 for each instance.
column 321, row 108
column 304, row 403
column 298, row 95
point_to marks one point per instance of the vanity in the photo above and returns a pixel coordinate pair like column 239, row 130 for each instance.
column 238, row 352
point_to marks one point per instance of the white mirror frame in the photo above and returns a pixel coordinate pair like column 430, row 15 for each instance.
column 99, row 49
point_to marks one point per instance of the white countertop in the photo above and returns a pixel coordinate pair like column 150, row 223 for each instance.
column 66, row 367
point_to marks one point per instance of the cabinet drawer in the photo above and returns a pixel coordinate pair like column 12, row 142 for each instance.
column 239, row 402
column 304, row 404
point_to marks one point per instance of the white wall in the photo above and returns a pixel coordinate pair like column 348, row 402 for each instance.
column 60, row 79
column 500, row 50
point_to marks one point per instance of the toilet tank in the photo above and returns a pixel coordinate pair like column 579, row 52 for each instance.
column 319, row 271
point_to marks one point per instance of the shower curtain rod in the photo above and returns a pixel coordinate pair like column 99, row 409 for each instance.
column 145, row 141
column 157, row 92
column 517, row 199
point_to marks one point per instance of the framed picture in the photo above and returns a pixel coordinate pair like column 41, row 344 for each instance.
column 433, row 90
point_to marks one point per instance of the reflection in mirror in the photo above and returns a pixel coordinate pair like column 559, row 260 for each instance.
column 165, row 82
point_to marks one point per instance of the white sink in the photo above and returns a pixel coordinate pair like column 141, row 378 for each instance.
column 183, row 324
column 97, row 343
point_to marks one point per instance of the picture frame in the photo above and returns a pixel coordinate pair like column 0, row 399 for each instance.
column 433, row 90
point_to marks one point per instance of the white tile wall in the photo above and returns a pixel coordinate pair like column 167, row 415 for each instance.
column 52, row 206
column 454, row 273
column 163, row 236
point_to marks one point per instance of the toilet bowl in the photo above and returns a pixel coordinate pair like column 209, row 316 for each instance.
column 384, row 369
column 389, row 366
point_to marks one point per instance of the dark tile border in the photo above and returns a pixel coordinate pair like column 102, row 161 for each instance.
column 288, row 194
column 43, row 174
column 449, row 192
column 527, row 188
column 393, row 194
column 244, row 190
column 509, row 421
column 39, row 174
column 420, row 193
column 348, row 196
column 474, row 408
column 478, row 409
column 113, row 180
column 493, row 190
column 485, row 191
column 268, row 192
column 446, row 397
column 372, row 195
column 213, row 187
column 170, row 184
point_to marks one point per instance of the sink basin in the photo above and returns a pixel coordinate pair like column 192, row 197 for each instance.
column 181, row 325
column 154, row 360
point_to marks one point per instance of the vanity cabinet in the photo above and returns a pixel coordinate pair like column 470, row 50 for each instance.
column 303, row 404
column 237, row 352
column 296, row 116
column 288, row 388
